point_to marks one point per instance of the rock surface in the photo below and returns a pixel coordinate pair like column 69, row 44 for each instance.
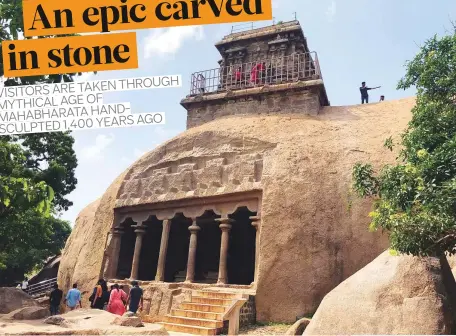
column 313, row 231
column 391, row 295
column 298, row 327
column 128, row 321
column 28, row 313
column 78, row 322
column 13, row 298
column 56, row 320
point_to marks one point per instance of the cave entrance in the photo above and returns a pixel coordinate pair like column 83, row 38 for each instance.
column 150, row 249
column 177, row 254
column 127, row 249
column 241, row 248
column 208, row 248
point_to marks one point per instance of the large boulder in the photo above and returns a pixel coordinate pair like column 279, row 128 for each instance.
column 391, row 295
column 12, row 299
column 303, row 167
column 298, row 327
column 28, row 313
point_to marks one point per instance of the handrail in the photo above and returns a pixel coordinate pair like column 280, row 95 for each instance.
column 41, row 287
column 232, row 315
column 270, row 71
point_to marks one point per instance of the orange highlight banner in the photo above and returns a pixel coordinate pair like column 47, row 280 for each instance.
column 55, row 17
column 70, row 54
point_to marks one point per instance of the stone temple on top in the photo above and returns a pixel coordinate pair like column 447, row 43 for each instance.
column 268, row 70
column 248, row 214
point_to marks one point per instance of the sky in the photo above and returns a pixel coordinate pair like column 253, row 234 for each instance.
column 356, row 40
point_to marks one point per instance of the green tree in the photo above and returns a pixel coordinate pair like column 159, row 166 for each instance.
column 416, row 198
column 37, row 171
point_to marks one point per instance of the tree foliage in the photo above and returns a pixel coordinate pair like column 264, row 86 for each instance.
column 416, row 197
column 37, row 172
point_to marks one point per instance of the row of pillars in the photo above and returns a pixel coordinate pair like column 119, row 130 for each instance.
column 140, row 229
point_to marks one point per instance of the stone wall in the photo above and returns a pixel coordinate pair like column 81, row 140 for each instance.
column 248, row 312
column 304, row 101
column 159, row 299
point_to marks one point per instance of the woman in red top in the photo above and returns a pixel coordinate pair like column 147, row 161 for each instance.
column 257, row 70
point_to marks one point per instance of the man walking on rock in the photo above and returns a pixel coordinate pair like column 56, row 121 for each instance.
column 135, row 298
column 55, row 299
column 73, row 298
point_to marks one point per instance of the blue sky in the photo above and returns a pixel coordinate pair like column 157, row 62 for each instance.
column 356, row 40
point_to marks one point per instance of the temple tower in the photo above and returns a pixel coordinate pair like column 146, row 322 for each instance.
column 268, row 70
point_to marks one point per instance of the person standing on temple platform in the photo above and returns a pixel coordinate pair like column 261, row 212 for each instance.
column 238, row 76
column 55, row 299
column 256, row 73
column 135, row 298
column 365, row 92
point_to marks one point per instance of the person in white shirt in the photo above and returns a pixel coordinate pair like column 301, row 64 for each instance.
column 24, row 285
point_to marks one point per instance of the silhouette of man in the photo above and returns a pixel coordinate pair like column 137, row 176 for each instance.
column 382, row 98
column 364, row 92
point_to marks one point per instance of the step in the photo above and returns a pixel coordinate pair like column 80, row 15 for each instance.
column 203, row 307
column 212, row 301
column 189, row 321
column 189, row 329
column 197, row 314
column 217, row 295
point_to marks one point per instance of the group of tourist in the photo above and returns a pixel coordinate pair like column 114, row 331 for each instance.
column 113, row 300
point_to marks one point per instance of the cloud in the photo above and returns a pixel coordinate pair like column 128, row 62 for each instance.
column 275, row 4
column 96, row 150
column 169, row 40
column 331, row 11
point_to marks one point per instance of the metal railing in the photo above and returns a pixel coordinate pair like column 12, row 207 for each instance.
column 242, row 27
column 278, row 70
column 41, row 287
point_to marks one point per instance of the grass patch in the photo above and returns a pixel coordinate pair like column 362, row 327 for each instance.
column 272, row 324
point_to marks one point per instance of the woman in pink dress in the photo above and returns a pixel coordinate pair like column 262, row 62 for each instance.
column 116, row 301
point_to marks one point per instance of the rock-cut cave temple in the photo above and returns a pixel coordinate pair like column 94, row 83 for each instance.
column 252, row 201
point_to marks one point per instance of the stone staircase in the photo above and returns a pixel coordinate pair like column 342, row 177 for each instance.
column 205, row 313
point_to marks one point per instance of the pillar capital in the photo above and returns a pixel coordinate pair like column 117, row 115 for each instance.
column 118, row 230
column 139, row 229
column 194, row 228
column 255, row 221
column 225, row 227
column 255, row 218
column 224, row 220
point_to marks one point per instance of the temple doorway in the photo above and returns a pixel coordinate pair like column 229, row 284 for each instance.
column 241, row 249
column 208, row 248
column 177, row 255
column 150, row 249
column 127, row 249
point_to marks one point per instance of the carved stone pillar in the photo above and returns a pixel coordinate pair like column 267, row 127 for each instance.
column 140, row 231
column 115, row 251
column 160, row 276
column 225, row 226
column 194, row 228
column 256, row 220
